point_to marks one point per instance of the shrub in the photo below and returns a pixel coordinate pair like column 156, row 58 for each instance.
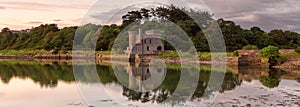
column 55, row 50
column 270, row 52
column 235, row 53
column 63, row 49
column 250, row 47
column 297, row 49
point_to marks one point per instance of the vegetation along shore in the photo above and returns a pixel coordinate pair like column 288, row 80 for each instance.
column 47, row 40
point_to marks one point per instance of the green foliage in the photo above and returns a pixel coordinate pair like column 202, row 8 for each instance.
column 233, row 35
column 272, row 80
column 214, row 55
column 46, row 75
column 49, row 36
column 22, row 52
column 204, row 55
column 298, row 49
column 250, row 47
column 269, row 82
column 270, row 52
column 55, row 50
column 169, row 55
column 235, row 53
column 63, row 49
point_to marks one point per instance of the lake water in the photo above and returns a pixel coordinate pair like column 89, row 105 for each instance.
column 41, row 84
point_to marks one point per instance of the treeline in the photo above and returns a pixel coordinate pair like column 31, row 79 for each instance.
column 50, row 37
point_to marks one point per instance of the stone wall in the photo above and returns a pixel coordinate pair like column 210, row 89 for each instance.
column 287, row 51
column 291, row 62
column 250, row 58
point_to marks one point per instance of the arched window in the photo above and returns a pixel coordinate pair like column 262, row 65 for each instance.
column 159, row 48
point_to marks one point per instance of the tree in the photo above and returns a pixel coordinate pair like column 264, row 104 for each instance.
column 279, row 37
column 233, row 35
column 250, row 47
column 5, row 30
column 49, row 36
column 264, row 41
column 255, row 35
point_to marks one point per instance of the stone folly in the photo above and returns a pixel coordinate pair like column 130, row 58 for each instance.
column 144, row 43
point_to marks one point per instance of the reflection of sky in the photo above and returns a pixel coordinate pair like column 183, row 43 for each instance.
column 26, row 93
column 112, row 97
column 267, row 14
column 252, row 89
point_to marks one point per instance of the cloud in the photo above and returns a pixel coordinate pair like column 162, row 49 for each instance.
column 22, row 5
column 267, row 14
column 2, row 7
column 57, row 20
column 35, row 22
column 114, row 16
column 103, row 16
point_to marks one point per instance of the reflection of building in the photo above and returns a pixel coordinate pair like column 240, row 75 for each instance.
column 144, row 77
column 145, row 43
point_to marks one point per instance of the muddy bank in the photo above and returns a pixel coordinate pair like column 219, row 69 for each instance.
column 15, row 57
column 291, row 62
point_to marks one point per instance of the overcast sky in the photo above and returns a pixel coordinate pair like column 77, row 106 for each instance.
column 267, row 14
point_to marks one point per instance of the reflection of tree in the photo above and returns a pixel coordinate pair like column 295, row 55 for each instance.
column 162, row 94
column 47, row 75
column 272, row 80
column 106, row 74
column 230, row 82
column 269, row 81
column 298, row 79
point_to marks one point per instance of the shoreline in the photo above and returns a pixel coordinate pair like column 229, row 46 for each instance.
column 293, row 59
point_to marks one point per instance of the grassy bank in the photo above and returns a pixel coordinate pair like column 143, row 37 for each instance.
column 35, row 52
column 164, row 55
column 290, row 54
column 200, row 55
column 22, row 52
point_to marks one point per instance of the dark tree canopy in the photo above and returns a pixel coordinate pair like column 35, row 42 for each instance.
column 49, row 36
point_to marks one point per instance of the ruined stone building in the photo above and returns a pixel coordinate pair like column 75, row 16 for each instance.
column 250, row 58
column 145, row 43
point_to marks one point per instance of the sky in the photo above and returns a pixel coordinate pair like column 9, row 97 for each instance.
column 266, row 14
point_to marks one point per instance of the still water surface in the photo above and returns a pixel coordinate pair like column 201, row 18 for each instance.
column 39, row 84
